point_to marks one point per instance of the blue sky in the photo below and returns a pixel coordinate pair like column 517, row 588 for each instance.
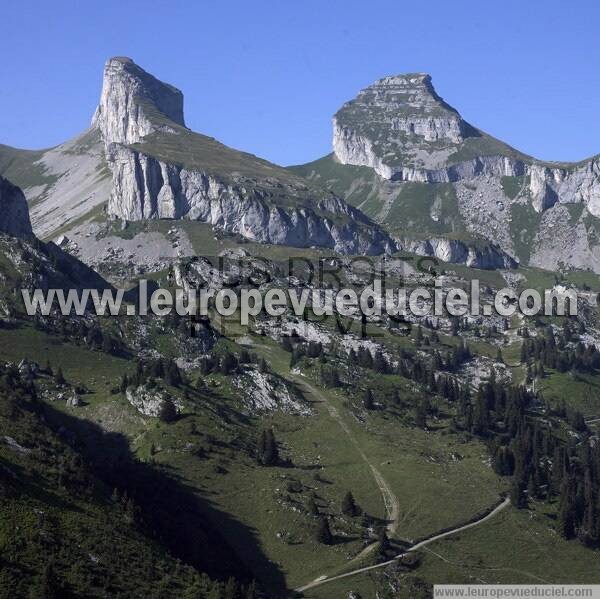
column 266, row 76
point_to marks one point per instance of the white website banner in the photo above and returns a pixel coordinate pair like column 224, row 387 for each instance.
column 516, row 591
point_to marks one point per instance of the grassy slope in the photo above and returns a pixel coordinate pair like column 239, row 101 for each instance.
column 434, row 492
column 55, row 513
column 416, row 464
column 22, row 168
column 194, row 151
column 404, row 209
column 516, row 547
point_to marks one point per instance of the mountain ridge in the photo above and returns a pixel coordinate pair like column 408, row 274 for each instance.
column 141, row 162
column 423, row 160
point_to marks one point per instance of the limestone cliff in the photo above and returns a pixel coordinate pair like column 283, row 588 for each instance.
column 160, row 169
column 487, row 257
column 402, row 129
column 434, row 175
column 145, row 187
column 134, row 104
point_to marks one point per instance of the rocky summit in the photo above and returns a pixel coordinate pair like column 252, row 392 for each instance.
column 407, row 172
column 139, row 162
column 428, row 173
column 160, row 169
column 134, row 104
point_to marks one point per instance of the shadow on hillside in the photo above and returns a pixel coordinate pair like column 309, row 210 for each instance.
column 188, row 525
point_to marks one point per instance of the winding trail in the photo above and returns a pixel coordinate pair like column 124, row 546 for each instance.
column 390, row 501
column 324, row 579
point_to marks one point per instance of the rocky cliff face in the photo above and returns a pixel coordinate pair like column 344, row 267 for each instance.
column 578, row 184
column 145, row 187
column 399, row 123
column 486, row 257
column 14, row 213
column 420, row 148
column 134, row 104
column 162, row 170
column 402, row 129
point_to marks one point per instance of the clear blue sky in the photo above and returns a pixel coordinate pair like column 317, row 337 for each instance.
column 266, row 76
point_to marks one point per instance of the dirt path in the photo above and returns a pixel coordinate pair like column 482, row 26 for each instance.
column 324, row 579
column 390, row 501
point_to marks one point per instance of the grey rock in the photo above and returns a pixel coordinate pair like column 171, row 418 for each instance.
column 402, row 129
column 487, row 257
column 130, row 101
column 74, row 401
column 145, row 401
column 269, row 209
column 406, row 133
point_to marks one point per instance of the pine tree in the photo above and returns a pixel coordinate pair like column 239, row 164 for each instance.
column 590, row 530
column 421, row 414
column 231, row 589
column 251, row 591
column 168, row 411
column 59, row 377
column 517, row 496
column 383, row 543
column 368, row 400
column 173, row 374
column 380, row 363
column 324, row 535
column 349, row 507
column 267, row 452
column 565, row 522
column 481, row 415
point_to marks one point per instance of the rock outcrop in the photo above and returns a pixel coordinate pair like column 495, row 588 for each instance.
column 14, row 212
column 175, row 175
column 487, row 257
column 144, row 187
column 402, row 129
column 148, row 402
column 433, row 174
column 134, row 104
column 579, row 184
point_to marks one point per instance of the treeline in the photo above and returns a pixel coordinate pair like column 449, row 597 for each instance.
column 146, row 373
column 79, row 331
column 543, row 465
column 140, row 543
column 557, row 351
column 226, row 362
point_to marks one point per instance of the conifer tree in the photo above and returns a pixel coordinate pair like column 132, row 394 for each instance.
column 368, row 400
column 349, row 507
column 324, row 535
column 168, row 411
column 383, row 543
column 59, row 377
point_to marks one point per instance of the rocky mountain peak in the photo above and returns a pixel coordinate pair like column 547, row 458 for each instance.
column 399, row 121
column 134, row 103
column 412, row 93
column 14, row 210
